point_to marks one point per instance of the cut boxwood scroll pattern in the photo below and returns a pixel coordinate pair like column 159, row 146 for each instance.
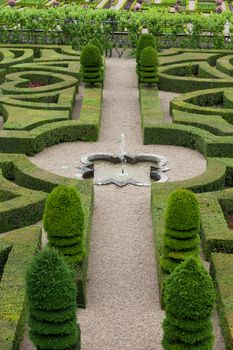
column 24, row 187
column 23, row 190
column 55, row 77
column 188, row 70
column 35, row 117
column 201, row 120
column 39, row 87
column 23, row 244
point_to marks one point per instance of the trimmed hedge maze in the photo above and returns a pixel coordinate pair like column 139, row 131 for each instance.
column 188, row 70
column 201, row 120
column 24, row 190
column 18, row 246
column 39, row 88
column 39, row 85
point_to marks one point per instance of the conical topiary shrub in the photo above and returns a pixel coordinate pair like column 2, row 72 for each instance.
column 64, row 223
column 91, row 65
column 145, row 40
column 148, row 67
column 51, row 295
column 189, row 301
column 182, row 226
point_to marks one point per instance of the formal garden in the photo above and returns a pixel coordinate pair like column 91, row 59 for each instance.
column 116, row 175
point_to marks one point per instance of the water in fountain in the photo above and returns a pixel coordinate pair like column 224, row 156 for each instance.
column 122, row 156
column 122, row 169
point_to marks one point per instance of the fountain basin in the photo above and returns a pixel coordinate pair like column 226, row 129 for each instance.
column 139, row 169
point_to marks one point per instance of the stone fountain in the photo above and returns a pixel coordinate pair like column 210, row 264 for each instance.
column 125, row 169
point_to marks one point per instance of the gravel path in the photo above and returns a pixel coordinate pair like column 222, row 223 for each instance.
column 123, row 310
column 78, row 103
column 165, row 99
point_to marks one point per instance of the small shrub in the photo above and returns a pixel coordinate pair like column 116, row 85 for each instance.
column 91, row 65
column 147, row 68
column 98, row 44
column 145, row 40
column 51, row 295
column 189, row 301
column 182, row 211
column 182, row 225
column 64, row 223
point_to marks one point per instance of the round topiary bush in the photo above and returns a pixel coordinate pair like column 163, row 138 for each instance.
column 182, row 211
column 182, row 226
column 189, row 301
column 147, row 69
column 51, row 295
column 91, row 65
column 98, row 44
column 90, row 56
column 149, row 57
column 145, row 40
column 64, row 223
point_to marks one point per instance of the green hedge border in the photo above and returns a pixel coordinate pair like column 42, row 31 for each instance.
column 151, row 112
column 208, row 131
column 24, row 187
column 33, row 141
column 84, row 129
column 208, row 78
column 210, row 69
column 220, row 268
column 24, row 108
column 32, row 184
column 13, row 309
column 192, row 137
column 214, row 124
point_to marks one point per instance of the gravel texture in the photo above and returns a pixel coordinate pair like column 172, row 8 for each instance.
column 165, row 98
column 78, row 103
column 123, row 310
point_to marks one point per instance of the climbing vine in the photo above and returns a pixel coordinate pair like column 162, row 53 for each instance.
column 75, row 25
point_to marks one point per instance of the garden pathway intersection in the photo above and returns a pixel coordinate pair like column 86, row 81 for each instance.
column 123, row 310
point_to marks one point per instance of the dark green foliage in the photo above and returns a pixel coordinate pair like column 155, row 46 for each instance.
column 98, row 44
column 182, row 211
column 90, row 56
column 149, row 57
column 25, row 174
column 182, row 224
column 221, row 267
column 188, row 136
column 151, row 112
column 64, row 223
column 51, row 294
column 145, row 40
column 213, row 179
column 189, row 300
column 147, row 67
column 91, row 65
column 13, row 308
column 85, row 129
column 26, row 208
column 5, row 249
